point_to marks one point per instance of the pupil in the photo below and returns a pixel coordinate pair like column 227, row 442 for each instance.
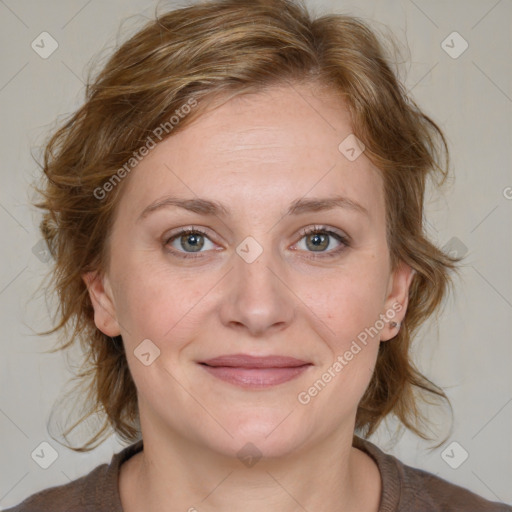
column 319, row 241
column 194, row 242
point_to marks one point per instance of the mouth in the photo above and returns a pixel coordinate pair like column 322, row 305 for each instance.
column 255, row 372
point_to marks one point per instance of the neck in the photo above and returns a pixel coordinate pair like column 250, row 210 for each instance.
column 179, row 475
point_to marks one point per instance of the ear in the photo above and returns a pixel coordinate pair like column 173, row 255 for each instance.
column 397, row 300
column 101, row 296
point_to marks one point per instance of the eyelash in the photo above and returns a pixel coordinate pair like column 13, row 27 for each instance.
column 304, row 232
column 344, row 240
column 186, row 231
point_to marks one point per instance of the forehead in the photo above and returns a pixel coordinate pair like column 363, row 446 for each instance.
column 272, row 146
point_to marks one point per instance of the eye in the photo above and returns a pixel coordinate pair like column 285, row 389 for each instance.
column 189, row 241
column 325, row 242
column 322, row 240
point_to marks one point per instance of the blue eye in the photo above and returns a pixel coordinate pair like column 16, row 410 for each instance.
column 320, row 242
column 319, row 239
column 189, row 241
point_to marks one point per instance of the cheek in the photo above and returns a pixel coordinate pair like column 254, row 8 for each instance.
column 348, row 304
column 155, row 301
column 160, row 306
column 349, row 316
column 349, row 309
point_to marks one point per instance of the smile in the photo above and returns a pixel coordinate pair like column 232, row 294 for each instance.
column 255, row 372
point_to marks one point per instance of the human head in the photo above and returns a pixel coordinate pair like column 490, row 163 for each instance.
column 164, row 78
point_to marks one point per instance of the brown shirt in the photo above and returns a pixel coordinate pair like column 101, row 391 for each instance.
column 404, row 489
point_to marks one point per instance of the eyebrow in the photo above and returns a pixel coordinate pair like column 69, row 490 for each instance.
column 214, row 208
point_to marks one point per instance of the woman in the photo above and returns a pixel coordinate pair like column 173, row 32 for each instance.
column 235, row 216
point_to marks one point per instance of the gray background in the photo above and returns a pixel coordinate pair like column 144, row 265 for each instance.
column 468, row 350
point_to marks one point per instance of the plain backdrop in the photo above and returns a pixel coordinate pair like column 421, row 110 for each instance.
column 468, row 350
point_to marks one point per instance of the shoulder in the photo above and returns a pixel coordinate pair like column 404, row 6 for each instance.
column 405, row 488
column 68, row 497
column 98, row 490
column 426, row 491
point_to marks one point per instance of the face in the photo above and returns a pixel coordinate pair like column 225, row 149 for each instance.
column 243, row 241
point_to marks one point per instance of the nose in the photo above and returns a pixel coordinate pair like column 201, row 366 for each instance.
column 257, row 299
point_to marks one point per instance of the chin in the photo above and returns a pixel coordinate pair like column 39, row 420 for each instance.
column 268, row 433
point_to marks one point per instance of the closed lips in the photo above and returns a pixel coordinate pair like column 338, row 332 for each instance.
column 255, row 372
column 253, row 362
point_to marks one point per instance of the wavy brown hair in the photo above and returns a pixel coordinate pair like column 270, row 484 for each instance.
column 222, row 49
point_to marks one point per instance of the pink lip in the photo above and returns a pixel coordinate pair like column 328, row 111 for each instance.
column 255, row 372
column 247, row 361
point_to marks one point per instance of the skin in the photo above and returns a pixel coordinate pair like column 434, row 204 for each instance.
column 256, row 155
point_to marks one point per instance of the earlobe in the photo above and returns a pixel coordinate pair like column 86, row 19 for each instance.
column 102, row 301
column 397, row 300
